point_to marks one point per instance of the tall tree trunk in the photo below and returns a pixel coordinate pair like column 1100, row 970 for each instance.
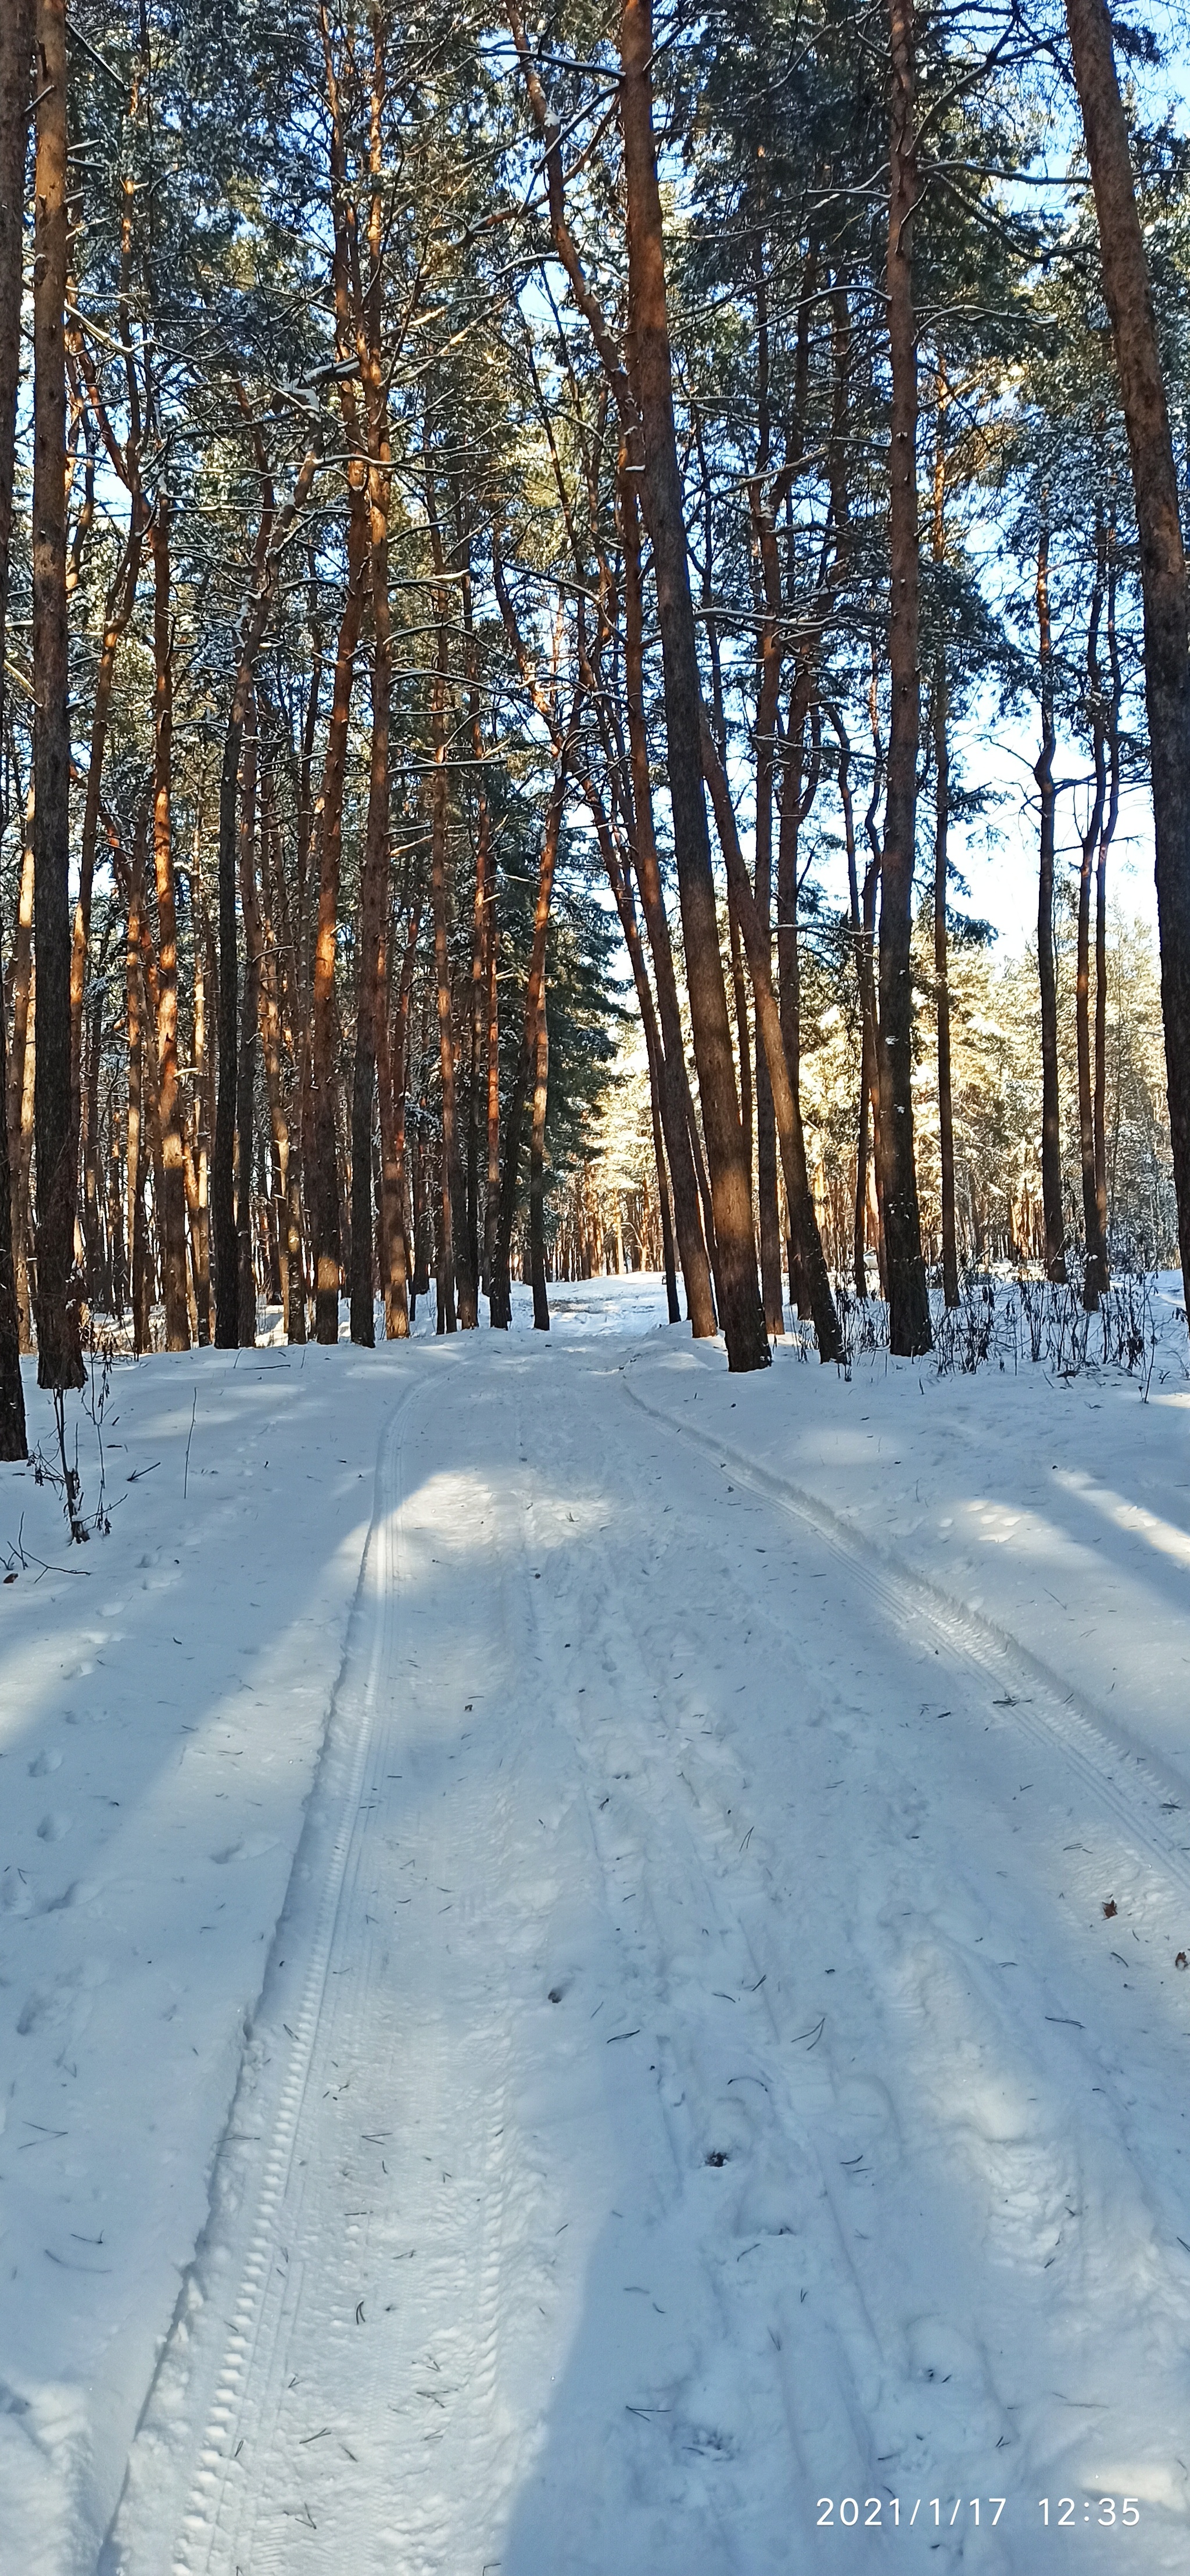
column 59, row 1355
column 742, row 1314
column 452, row 1174
column 23, row 1254
column 392, row 1035
column 541, row 1076
column 501, row 1294
column 799, row 786
column 323, row 1190
column 16, row 55
column 286, row 1022
column 1099, row 1111
column 862, row 918
column 940, row 712
column 135, row 1158
column 1094, row 1271
column 770, row 655
column 120, row 604
column 908, row 1301
column 483, row 868
column 621, row 887
column 871, row 897
column 171, row 1216
column 675, row 1095
column 21, row 1071
column 200, row 1234
column 374, row 887
column 115, row 1212
column 743, row 1048
column 246, row 1056
column 673, row 1309
column 457, row 1274
column 1129, row 299
column 802, row 1219
column 766, row 1129
column 1051, row 1133
column 91, row 1218
column 227, row 1302
column 271, row 538
column 151, row 1100
column 491, row 1213
column 263, row 937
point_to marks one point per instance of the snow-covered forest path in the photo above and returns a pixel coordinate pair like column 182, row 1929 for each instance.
column 695, row 2076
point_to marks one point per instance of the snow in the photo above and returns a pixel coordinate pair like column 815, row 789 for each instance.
column 556, row 2003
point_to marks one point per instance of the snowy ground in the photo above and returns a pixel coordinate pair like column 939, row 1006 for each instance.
column 558, row 2003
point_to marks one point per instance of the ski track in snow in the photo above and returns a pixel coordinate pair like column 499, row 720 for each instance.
column 691, row 2078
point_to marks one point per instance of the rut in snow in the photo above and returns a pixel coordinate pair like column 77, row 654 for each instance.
column 683, row 2088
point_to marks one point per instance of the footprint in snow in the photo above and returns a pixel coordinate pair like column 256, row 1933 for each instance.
column 54, row 1826
column 44, row 1762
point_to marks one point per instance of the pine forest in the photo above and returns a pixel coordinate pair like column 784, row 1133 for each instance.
column 594, row 743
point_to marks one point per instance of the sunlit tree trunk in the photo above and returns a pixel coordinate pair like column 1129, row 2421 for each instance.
column 1129, row 299
column 16, row 53
column 799, row 786
column 373, row 908
column 1106, row 837
column 939, row 715
column 460, row 1298
column 90, row 1210
column 743, row 1048
column 115, row 1214
column 675, row 1098
column 940, row 718
column 862, row 916
column 803, row 1220
column 673, row 1309
column 270, row 540
column 742, row 1314
column 323, row 1182
column 120, row 604
column 501, row 1293
column 1051, row 1133
column 283, row 1030
column 392, row 1028
column 263, row 936
column 909, row 1305
column 621, row 886
column 171, row 1216
column 452, row 1190
column 1095, row 1273
column 59, row 1355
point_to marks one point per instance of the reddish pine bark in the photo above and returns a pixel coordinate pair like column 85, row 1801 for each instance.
column 1129, row 298
column 59, row 1355
column 16, row 51
column 908, row 1302
column 742, row 1314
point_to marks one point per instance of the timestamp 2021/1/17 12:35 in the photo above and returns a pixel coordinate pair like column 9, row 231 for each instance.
column 875, row 2513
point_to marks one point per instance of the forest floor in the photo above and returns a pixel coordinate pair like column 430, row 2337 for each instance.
column 588, row 1966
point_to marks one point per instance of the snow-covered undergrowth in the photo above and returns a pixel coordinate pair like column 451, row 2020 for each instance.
column 882, row 2187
